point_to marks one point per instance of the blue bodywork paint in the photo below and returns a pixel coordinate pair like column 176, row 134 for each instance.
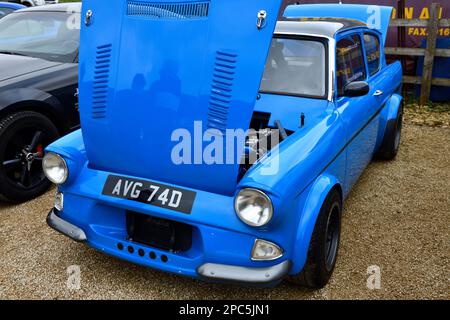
column 8, row 7
column 185, row 71
column 149, row 75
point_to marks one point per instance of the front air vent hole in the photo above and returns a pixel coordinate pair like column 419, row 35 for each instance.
column 221, row 90
column 101, row 81
column 174, row 11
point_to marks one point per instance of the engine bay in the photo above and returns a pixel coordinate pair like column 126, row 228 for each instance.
column 261, row 139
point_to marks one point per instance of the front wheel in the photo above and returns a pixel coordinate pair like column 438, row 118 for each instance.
column 23, row 138
column 324, row 245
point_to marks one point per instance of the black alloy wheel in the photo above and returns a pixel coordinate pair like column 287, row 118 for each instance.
column 23, row 138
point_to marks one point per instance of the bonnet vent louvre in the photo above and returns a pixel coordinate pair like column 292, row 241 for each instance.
column 221, row 90
column 101, row 81
column 161, row 10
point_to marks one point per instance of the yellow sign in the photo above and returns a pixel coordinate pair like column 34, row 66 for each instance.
column 423, row 14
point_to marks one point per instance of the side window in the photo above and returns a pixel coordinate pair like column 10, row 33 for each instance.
column 350, row 65
column 372, row 46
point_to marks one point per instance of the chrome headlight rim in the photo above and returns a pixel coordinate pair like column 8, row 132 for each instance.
column 64, row 165
column 242, row 218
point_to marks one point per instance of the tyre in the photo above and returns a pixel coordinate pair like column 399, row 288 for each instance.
column 392, row 136
column 324, row 245
column 23, row 138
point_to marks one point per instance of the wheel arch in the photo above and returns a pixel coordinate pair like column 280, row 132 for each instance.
column 389, row 113
column 309, row 212
column 12, row 101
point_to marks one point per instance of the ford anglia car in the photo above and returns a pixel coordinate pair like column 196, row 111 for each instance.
column 151, row 177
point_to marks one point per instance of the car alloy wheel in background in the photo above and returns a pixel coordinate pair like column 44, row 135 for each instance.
column 23, row 138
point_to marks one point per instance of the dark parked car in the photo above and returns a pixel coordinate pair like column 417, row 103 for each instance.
column 6, row 8
column 38, row 92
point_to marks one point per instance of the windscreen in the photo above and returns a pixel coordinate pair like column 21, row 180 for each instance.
column 296, row 67
column 47, row 35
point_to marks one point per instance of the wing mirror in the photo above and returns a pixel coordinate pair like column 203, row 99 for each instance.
column 356, row 89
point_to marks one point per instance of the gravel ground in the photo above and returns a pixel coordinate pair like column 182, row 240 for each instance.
column 397, row 217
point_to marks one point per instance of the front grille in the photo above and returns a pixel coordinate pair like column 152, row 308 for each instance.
column 158, row 233
column 160, row 10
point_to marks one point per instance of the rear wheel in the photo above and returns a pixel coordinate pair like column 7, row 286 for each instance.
column 392, row 136
column 324, row 245
column 23, row 138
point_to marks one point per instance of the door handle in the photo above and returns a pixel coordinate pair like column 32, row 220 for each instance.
column 378, row 93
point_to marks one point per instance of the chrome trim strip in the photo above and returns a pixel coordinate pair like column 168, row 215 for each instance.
column 331, row 68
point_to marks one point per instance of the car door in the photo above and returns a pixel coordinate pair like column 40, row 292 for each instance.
column 379, row 79
column 356, row 112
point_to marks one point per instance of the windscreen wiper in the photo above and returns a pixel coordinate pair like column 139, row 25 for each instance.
column 12, row 53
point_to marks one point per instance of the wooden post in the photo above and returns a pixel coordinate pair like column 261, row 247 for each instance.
column 430, row 51
column 401, row 32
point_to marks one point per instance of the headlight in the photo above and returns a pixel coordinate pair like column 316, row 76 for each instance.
column 55, row 168
column 253, row 207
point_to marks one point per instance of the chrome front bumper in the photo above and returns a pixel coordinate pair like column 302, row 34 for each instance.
column 253, row 276
column 66, row 228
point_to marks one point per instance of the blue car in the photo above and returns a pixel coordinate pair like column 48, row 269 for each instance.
column 7, row 7
column 218, row 141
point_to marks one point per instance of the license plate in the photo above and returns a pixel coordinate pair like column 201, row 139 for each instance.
column 150, row 192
